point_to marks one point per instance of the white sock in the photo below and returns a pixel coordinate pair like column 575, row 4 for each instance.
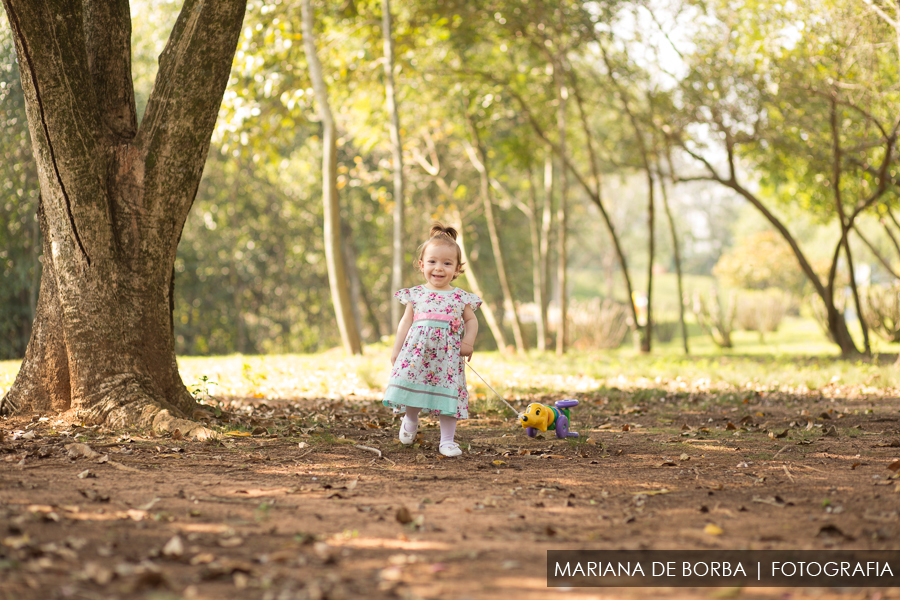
column 448, row 429
column 412, row 416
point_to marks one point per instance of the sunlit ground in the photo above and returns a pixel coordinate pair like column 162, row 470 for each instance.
column 796, row 359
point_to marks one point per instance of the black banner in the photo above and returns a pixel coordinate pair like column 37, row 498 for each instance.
column 723, row 568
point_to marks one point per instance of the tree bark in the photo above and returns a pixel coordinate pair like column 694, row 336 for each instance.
column 114, row 199
column 397, row 156
column 340, row 292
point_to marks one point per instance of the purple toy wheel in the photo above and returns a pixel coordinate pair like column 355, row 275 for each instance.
column 566, row 403
column 531, row 431
column 562, row 424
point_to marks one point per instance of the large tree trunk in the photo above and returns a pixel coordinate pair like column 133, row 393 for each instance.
column 337, row 279
column 114, row 199
column 397, row 156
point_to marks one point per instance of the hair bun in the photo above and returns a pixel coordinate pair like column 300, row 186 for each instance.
column 439, row 229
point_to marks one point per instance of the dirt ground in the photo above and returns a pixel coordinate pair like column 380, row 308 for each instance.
column 317, row 499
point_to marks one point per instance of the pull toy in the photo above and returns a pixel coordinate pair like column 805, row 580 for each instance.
column 542, row 417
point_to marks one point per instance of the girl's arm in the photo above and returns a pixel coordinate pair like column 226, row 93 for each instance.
column 466, row 347
column 406, row 322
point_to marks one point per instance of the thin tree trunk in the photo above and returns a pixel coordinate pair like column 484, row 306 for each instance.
column 356, row 288
column 481, row 165
column 837, row 159
column 561, row 217
column 646, row 340
column 593, row 193
column 546, row 229
column 397, row 156
column 337, row 277
column 489, row 316
column 677, row 252
column 536, row 271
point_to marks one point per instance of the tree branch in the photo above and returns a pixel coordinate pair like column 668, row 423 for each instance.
column 107, row 32
column 185, row 100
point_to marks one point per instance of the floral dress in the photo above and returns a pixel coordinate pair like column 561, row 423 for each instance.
column 429, row 372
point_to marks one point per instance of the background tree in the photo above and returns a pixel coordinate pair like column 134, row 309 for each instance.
column 340, row 292
column 813, row 114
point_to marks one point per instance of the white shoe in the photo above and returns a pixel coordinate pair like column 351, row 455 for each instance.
column 450, row 449
column 407, row 437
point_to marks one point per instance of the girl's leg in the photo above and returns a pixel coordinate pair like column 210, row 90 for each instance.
column 409, row 425
column 448, row 431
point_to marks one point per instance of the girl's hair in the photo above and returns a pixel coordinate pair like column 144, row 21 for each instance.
column 442, row 235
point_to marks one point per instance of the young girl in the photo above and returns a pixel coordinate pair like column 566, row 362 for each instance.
column 435, row 335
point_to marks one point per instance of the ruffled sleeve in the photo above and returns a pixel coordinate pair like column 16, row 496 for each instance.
column 404, row 295
column 471, row 299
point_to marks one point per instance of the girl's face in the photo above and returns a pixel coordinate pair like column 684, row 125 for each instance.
column 439, row 265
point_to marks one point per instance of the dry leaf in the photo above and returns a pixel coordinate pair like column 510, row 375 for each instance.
column 713, row 529
column 403, row 517
column 238, row 433
column 174, row 548
column 730, row 426
column 81, row 450
column 894, row 465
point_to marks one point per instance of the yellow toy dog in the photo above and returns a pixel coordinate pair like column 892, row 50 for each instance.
column 540, row 417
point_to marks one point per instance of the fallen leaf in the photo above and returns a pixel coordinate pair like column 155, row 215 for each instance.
column 498, row 463
column 81, row 450
column 174, row 548
column 774, row 435
column 403, row 517
column 238, row 433
column 730, row 426
column 894, row 465
column 713, row 529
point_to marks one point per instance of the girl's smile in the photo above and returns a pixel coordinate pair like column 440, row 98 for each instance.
column 439, row 265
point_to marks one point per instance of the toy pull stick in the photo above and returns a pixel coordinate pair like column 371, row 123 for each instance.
column 495, row 391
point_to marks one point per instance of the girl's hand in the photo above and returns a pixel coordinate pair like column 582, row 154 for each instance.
column 466, row 350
